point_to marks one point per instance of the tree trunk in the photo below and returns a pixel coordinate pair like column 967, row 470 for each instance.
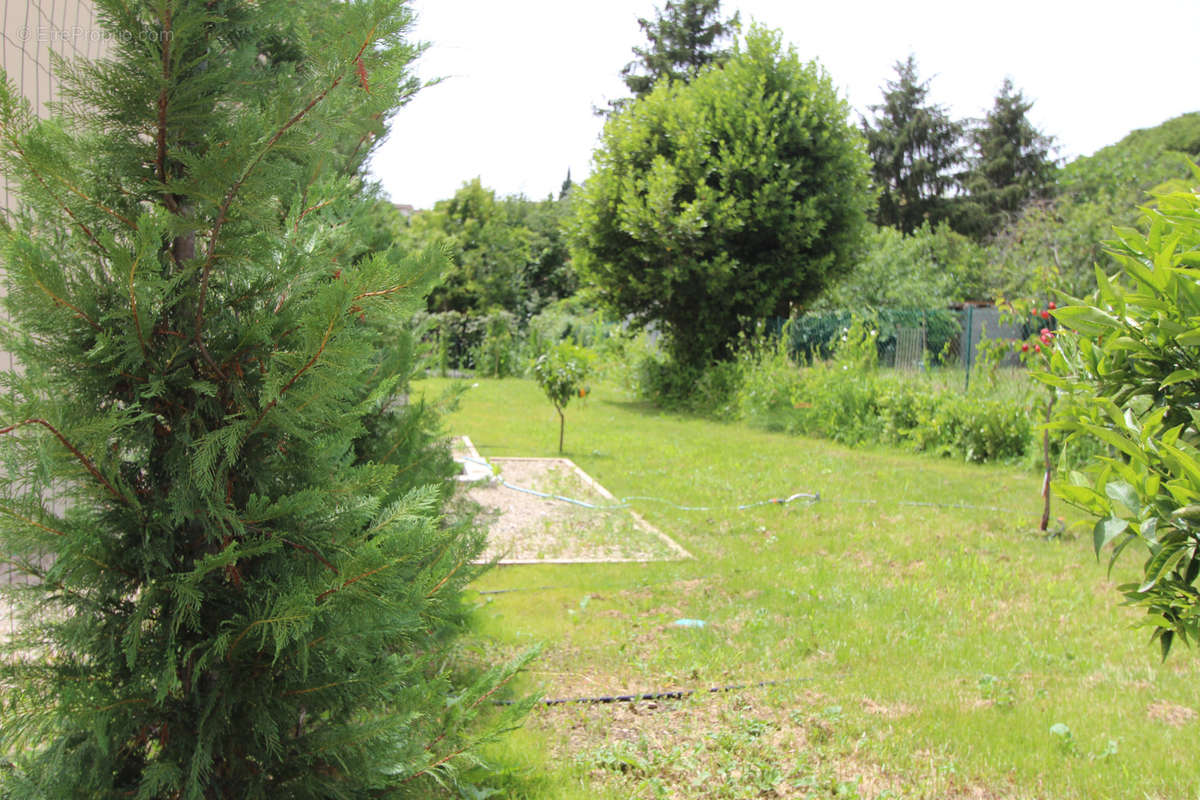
column 562, row 424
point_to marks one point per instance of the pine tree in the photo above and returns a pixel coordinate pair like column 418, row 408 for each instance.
column 683, row 39
column 917, row 152
column 1012, row 163
column 253, row 590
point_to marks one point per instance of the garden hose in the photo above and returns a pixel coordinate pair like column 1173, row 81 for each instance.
column 666, row 694
column 812, row 497
column 626, row 502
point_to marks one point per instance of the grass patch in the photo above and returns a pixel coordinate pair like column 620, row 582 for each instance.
column 937, row 651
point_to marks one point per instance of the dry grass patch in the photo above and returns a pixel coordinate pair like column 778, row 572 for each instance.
column 1171, row 714
column 750, row 743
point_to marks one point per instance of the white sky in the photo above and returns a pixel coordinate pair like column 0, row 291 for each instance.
column 521, row 77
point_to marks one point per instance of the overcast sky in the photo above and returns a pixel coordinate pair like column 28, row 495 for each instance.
column 521, row 77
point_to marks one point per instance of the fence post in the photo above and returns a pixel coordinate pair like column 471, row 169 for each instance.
column 924, row 341
column 969, row 349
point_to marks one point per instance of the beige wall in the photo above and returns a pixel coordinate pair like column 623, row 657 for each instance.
column 31, row 29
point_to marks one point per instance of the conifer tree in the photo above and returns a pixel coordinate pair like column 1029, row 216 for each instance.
column 683, row 38
column 251, row 590
column 918, row 153
column 1011, row 166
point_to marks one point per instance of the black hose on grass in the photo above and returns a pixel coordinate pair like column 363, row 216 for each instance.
column 673, row 694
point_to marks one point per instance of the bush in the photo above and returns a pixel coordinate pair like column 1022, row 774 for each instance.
column 680, row 387
column 848, row 400
column 815, row 335
column 489, row 343
column 725, row 199
column 497, row 355
column 767, row 384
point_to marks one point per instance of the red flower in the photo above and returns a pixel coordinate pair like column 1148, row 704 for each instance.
column 1051, row 305
column 1045, row 315
column 1025, row 347
column 1037, row 348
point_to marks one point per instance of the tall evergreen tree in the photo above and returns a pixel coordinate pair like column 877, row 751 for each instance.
column 1011, row 165
column 684, row 37
column 917, row 153
column 249, row 594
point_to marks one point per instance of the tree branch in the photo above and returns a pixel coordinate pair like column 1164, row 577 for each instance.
column 137, row 323
column 296, row 377
column 74, row 451
column 385, row 292
column 61, row 302
column 160, row 156
column 12, row 142
column 227, row 201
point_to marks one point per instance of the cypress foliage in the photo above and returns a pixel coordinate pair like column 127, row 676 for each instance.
column 253, row 590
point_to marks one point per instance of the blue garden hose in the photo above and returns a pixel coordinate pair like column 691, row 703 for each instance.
column 812, row 497
column 625, row 502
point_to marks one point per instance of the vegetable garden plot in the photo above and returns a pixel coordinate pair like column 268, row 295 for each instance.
column 525, row 528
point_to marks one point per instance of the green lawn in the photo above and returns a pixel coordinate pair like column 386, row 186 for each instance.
column 922, row 651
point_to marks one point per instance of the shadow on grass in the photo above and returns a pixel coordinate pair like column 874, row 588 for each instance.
column 649, row 408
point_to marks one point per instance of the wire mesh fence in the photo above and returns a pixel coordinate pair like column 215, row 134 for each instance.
column 32, row 33
column 909, row 339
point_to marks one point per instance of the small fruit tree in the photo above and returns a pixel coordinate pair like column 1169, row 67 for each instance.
column 1036, row 354
column 1134, row 369
column 561, row 372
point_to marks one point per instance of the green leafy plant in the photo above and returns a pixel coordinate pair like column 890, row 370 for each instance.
column 561, row 372
column 1065, row 738
column 1134, row 368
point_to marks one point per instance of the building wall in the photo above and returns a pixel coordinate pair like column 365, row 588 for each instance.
column 31, row 30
